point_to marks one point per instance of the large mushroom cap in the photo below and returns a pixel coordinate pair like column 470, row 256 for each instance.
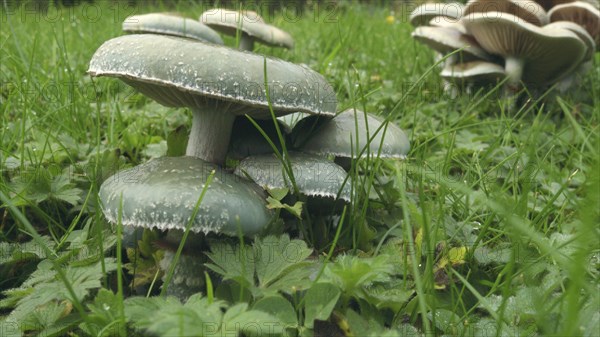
column 183, row 73
column 216, row 82
column 544, row 55
column 424, row 13
column 338, row 136
column 250, row 23
column 445, row 40
column 163, row 192
column 582, row 13
column 315, row 176
column 528, row 10
column 166, row 24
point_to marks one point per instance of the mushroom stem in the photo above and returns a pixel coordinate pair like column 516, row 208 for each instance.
column 246, row 43
column 188, row 277
column 514, row 70
column 209, row 138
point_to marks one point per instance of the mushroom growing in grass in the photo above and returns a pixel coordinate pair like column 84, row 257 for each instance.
column 586, row 64
column 582, row 13
column 168, row 24
column 478, row 73
column 251, row 26
column 581, row 33
column 314, row 176
column 164, row 193
column 447, row 40
column 217, row 83
column 350, row 135
column 534, row 55
column 321, row 184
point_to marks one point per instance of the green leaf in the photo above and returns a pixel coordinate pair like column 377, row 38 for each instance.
column 352, row 273
column 10, row 328
column 39, row 304
column 279, row 307
column 388, row 296
column 489, row 327
column 156, row 150
column 233, row 262
column 359, row 326
column 278, row 193
column 103, row 313
column 319, row 302
column 295, row 279
column 238, row 319
column 62, row 189
column 232, row 292
column 519, row 308
column 295, row 210
column 177, row 142
column 21, row 252
column 42, row 187
column 169, row 317
column 275, row 256
column 590, row 318
column 278, row 263
column 447, row 321
column 45, row 316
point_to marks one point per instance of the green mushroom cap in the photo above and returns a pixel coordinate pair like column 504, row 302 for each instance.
column 168, row 24
column 180, row 73
column 252, row 26
column 338, row 136
column 163, row 193
column 315, row 176
column 217, row 83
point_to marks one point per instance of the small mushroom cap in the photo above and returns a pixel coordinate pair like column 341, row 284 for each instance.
column 315, row 176
column 250, row 23
column 474, row 72
column 163, row 193
column 548, row 54
column 168, row 24
column 446, row 40
column 580, row 32
column 338, row 137
column 247, row 140
column 582, row 13
column 182, row 73
column 528, row 10
column 421, row 15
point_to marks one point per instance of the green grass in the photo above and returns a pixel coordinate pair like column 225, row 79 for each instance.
column 520, row 190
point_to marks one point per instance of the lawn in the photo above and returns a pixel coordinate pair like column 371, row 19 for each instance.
column 488, row 228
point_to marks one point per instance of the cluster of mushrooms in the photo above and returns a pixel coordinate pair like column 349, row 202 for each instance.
column 521, row 43
column 181, row 62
